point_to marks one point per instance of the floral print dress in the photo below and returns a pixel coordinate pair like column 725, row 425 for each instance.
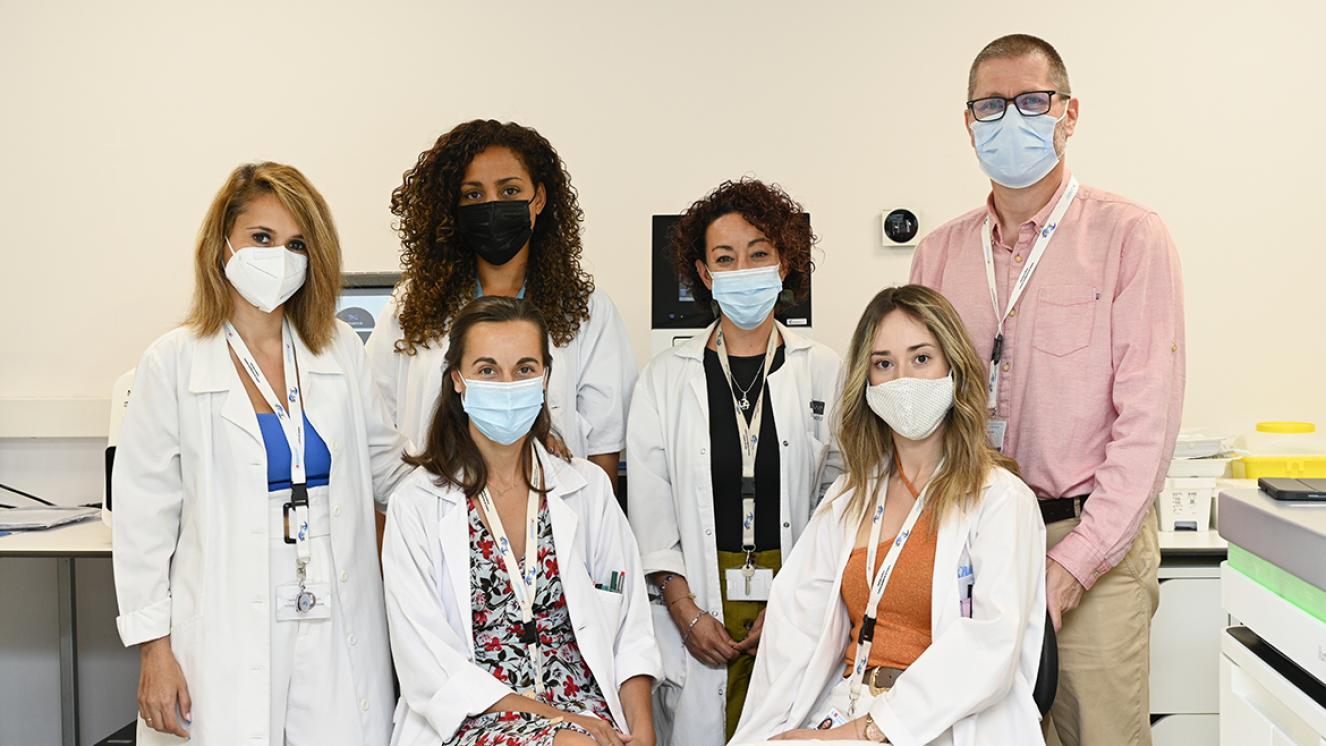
column 568, row 683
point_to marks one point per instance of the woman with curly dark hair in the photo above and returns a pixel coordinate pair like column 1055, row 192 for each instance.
column 490, row 210
column 730, row 449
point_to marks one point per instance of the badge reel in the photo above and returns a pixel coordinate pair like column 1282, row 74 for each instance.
column 300, row 600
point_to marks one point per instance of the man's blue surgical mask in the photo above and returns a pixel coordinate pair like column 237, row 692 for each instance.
column 1017, row 151
column 747, row 296
column 503, row 411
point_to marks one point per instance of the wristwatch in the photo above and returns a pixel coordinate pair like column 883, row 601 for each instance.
column 873, row 733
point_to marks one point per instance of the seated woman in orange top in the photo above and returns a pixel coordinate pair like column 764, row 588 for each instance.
column 912, row 609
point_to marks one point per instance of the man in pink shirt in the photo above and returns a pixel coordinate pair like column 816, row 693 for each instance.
column 1075, row 296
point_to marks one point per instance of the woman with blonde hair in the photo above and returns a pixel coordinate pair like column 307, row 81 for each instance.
column 251, row 452
column 912, row 609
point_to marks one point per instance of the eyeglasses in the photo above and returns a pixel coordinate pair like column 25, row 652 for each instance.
column 1030, row 104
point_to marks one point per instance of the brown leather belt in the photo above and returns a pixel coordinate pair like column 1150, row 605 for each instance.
column 1057, row 509
column 879, row 678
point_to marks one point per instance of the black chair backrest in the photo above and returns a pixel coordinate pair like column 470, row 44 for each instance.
column 1047, row 678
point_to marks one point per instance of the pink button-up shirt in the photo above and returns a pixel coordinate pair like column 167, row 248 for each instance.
column 1091, row 381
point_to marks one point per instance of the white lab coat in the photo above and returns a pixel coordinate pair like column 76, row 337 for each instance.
column 671, row 500
column 972, row 686
column 190, row 535
column 426, row 565
column 589, row 388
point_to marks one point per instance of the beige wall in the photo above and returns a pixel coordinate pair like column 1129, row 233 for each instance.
column 119, row 121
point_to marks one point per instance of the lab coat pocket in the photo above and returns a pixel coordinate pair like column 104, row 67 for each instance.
column 670, row 647
column 610, row 608
column 1065, row 315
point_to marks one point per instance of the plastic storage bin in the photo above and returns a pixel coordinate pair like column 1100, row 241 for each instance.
column 1284, row 449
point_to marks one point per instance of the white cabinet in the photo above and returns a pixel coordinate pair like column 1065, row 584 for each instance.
column 1186, row 730
column 1259, row 707
column 1185, row 642
column 1185, row 647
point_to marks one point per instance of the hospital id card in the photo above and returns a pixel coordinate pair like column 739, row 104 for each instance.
column 288, row 602
column 995, row 430
column 752, row 587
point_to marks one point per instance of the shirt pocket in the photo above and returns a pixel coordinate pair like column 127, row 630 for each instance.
column 1064, row 318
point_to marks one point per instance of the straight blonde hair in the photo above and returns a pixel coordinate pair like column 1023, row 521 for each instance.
column 867, row 441
column 312, row 309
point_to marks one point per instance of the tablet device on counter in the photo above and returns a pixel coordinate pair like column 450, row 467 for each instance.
column 1283, row 488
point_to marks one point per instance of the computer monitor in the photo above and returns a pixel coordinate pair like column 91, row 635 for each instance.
column 363, row 298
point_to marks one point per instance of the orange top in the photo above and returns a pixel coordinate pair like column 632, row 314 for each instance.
column 902, row 626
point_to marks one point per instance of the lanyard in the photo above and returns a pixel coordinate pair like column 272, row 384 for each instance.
column 881, row 579
column 1015, row 294
column 290, row 413
column 749, row 436
column 524, row 590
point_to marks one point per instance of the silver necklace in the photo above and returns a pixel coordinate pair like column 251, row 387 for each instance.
column 744, row 402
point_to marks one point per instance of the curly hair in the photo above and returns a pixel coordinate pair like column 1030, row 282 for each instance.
column 765, row 206
column 439, row 275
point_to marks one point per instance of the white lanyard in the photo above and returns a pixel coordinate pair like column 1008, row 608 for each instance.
column 290, row 413
column 525, row 589
column 879, row 582
column 1015, row 294
column 749, row 436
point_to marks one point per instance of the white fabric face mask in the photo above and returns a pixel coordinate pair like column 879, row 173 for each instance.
column 266, row 276
column 912, row 407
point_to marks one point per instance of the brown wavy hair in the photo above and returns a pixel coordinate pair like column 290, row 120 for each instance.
column 450, row 452
column 867, row 441
column 312, row 309
column 439, row 274
column 765, row 206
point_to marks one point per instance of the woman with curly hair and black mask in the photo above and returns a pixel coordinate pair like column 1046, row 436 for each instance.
column 490, row 210
column 730, row 450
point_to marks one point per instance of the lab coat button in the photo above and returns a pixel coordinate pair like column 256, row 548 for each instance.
column 363, row 705
column 786, row 524
column 344, row 576
column 708, row 532
column 703, row 451
column 353, row 640
column 336, row 510
column 784, row 444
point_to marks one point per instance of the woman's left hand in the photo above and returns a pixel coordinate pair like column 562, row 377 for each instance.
column 751, row 643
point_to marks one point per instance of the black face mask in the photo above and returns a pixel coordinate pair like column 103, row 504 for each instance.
column 495, row 231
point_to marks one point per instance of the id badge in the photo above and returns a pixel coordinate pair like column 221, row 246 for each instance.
column 831, row 719
column 757, row 589
column 995, row 430
column 288, row 602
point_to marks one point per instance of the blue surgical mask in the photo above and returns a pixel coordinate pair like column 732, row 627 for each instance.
column 1017, row 151
column 503, row 411
column 747, row 296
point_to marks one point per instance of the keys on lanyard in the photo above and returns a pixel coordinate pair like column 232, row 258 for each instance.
column 524, row 585
column 880, row 580
column 754, row 580
column 289, row 411
column 1015, row 294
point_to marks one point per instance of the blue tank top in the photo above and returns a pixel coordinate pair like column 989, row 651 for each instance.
column 317, row 458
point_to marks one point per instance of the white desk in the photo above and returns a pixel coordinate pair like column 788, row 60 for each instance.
column 90, row 538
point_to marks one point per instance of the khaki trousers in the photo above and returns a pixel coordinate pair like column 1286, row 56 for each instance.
column 1104, row 696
